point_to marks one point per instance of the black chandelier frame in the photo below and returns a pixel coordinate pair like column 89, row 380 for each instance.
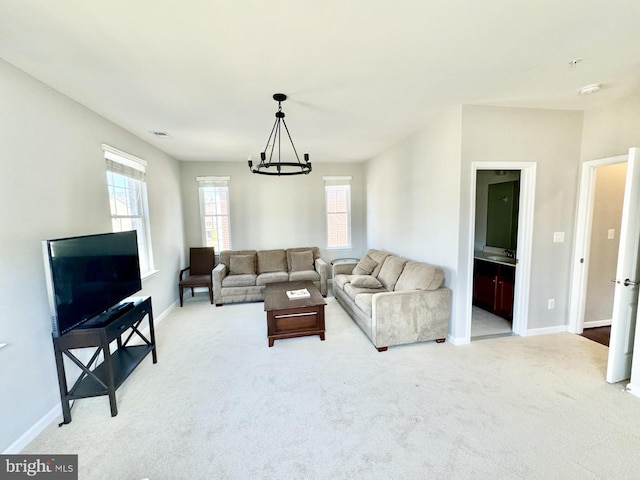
column 280, row 168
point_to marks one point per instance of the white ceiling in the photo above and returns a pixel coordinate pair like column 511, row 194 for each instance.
column 360, row 74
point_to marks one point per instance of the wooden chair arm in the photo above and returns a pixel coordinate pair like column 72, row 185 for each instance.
column 182, row 272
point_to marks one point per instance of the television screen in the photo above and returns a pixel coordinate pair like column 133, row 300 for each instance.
column 88, row 275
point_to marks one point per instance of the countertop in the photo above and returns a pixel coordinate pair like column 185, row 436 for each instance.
column 494, row 258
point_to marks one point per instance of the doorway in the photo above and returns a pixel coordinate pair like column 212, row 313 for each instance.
column 524, row 244
column 627, row 277
column 495, row 252
column 602, row 258
column 597, row 243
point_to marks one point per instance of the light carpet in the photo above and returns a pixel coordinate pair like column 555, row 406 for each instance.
column 220, row 404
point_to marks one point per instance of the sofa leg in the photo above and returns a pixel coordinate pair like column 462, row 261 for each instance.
column 440, row 340
column 218, row 304
column 382, row 349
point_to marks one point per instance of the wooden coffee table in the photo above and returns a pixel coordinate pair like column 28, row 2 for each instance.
column 288, row 318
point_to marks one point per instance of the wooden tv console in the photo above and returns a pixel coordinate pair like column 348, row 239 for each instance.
column 104, row 378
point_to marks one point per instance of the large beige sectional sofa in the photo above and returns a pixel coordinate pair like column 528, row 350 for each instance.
column 394, row 300
column 241, row 275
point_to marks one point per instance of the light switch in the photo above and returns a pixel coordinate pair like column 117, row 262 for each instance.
column 558, row 237
column 611, row 233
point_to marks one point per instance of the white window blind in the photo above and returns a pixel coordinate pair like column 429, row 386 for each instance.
column 215, row 216
column 337, row 191
column 126, row 182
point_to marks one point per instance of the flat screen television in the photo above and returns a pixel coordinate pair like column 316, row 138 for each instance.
column 88, row 277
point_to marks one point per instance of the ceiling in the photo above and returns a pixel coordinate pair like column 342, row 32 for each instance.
column 360, row 74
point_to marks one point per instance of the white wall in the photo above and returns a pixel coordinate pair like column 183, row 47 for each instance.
column 53, row 184
column 612, row 129
column 418, row 192
column 276, row 212
column 413, row 196
column 551, row 139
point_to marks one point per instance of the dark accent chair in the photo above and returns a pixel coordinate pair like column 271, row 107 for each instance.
column 201, row 264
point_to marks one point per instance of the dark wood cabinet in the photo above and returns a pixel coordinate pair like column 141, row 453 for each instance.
column 493, row 287
column 103, row 378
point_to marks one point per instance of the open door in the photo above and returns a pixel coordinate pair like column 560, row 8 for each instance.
column 625, row 303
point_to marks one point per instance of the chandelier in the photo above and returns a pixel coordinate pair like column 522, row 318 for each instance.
column 277, row 166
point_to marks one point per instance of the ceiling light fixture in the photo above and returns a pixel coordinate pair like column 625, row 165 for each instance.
column 589, row 89
column 279, row 167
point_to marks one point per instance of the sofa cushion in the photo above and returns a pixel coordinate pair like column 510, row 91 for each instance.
column 304, row 275
column 242, row 264
column 353, row 292
column 314, row 250
column 225, row 257
column 365, row 266
column 377, row 256
column 420, row 276
column 390, row 271
column 339, row 281
column 366, row 281
column 239, row 280
column 272, row 277
column 272, row 261
column 301, row 261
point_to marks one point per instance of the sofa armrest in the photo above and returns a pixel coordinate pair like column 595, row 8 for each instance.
column 322, row 268
column 410, row 316
column 218, row 274
column 342, row 268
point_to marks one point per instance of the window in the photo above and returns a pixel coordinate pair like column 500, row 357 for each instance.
column 337, row 194
column 214, row 212
column 128, row 201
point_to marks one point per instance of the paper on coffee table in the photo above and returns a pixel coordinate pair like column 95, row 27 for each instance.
column 294, row 294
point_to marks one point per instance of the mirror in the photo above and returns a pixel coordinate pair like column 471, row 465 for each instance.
column 502, row 214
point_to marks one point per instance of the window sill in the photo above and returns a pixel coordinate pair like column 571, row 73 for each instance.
column 149, row 274
column 337, row 249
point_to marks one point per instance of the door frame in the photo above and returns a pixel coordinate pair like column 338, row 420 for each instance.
column 582, row 242
column 525, row 242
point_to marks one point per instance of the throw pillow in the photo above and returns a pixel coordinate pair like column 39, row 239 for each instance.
column 365, row 266
column 301, row 261
column 365, row 281
column 242, row 264
column 272, row 261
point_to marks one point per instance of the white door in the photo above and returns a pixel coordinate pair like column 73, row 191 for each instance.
column 625, row 303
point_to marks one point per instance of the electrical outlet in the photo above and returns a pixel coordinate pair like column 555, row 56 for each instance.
column 558, row 237
column 551, row 303
column 611, row 233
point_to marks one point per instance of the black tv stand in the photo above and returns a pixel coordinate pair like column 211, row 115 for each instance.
column 104, row 378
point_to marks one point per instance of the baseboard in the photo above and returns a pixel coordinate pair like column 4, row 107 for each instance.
column 458, row 341
column 597, row 323
column 34, row 431
column 546, row 330
column 56, row 412
column 633, row 389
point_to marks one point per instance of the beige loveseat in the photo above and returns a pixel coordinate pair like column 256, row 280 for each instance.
column 241, row 275
column 394, row 300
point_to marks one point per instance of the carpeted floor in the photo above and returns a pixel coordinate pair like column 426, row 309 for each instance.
column 220, row 404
